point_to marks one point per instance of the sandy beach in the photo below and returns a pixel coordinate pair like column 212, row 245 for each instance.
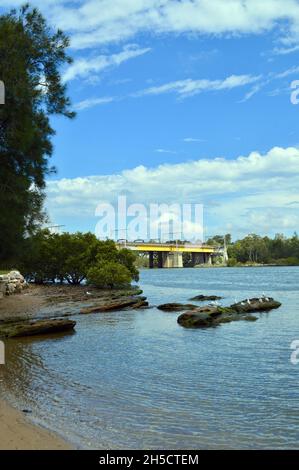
column 17, row 433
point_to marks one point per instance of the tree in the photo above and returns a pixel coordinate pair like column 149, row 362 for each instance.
column 128, row 259
column 49, row 257
column 78, row 255
column 220, row 240
column 109, row 275
column 31, row 56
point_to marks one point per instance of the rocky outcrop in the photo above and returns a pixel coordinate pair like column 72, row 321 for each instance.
column 201, row 298
column 261, row 304
column 175, row 307
column 140, row 305
column 34, row 328
column 12, row 283
column 132, row 302
column 211, row 316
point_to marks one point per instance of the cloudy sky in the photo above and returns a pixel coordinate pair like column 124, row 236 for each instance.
column 179, row 101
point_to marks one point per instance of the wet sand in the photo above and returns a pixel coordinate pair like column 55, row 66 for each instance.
column 23, row 305
column 31, row 301
column 16, row 433
column 16, row 430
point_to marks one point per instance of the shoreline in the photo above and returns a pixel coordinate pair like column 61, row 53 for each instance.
column 17, row 430
column 18, row 433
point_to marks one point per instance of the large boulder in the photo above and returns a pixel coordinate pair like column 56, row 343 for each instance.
column 3, row 285
column 212, row 318
column 11, row 288
column 15, row 276
column 12, row 283
column 206, row 316
column 195, row 319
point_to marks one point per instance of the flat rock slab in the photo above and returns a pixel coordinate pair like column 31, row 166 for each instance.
column 202, row 298
column 33, row 328
column 136, row 302
column 175, row 307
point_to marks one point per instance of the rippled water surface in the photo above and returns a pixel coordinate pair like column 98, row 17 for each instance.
column 136, row 379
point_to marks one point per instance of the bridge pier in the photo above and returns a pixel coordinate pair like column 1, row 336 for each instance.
column 201, row 258
column 173, row 260
column 160, row 259
column 151, row 259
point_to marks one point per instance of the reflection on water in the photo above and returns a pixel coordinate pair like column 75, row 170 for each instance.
column 136, row 379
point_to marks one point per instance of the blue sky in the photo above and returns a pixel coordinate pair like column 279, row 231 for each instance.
column 179, row 101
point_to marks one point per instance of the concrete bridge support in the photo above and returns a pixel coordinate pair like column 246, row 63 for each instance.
column 201, row 258
column 160, row 259
column 173, row 260
column 151, row 259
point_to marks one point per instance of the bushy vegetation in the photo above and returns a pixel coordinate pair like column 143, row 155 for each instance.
column 74, row 258
column 254, row 249
column 109, row 275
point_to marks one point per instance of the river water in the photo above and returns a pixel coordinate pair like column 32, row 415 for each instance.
column 136, row 379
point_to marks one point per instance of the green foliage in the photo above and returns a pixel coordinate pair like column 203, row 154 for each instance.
column 232, row 262
column 218, row 240
column 49, row 257
column 31, row 56
column 264, row 250
column 128, row 259
column 291, row 261
column 110, row 274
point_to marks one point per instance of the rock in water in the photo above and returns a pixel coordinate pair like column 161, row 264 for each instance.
column 201, row 298
column 256, row 305
column 206, row 316
column 175, row 307
column 195, row 319
column 33, row 328
column 116, row 305
column 214, row 315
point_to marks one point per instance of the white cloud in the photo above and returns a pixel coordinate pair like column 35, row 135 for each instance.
column 84, row 67
column 248, row 192
column 285, row 50
column 94, row 22
column 92, row 102
column 190, row 87
column 164, row 151
column 192, row 139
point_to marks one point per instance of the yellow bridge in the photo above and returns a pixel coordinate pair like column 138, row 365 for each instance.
column 170, row 255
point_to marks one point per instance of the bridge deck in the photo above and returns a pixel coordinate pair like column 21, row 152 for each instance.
column 168, row 247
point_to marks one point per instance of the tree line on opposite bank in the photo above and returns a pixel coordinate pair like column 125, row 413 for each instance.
column 255, row 249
